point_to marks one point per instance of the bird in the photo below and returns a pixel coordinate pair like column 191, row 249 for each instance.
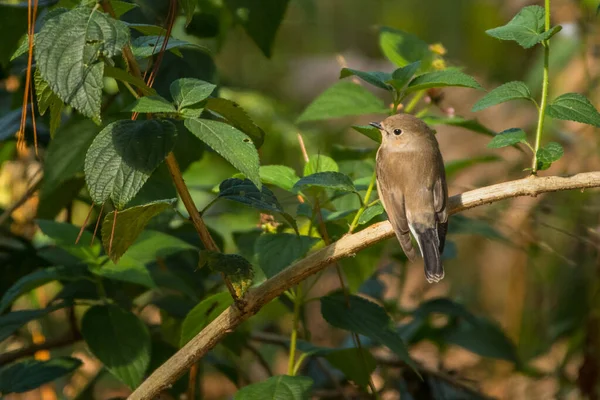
column 411, row 184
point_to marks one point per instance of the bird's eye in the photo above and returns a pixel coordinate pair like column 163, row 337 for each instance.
column 397, row 131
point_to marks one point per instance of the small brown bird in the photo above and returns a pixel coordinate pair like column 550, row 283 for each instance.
column 411, row 183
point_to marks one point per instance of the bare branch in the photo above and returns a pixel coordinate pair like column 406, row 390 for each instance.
column 347, row 246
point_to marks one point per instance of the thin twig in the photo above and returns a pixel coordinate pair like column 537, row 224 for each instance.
column 67, row 340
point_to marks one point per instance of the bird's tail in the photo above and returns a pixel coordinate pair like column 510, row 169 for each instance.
column 429, row 244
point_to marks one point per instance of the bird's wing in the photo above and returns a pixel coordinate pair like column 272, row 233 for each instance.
column 440, row 202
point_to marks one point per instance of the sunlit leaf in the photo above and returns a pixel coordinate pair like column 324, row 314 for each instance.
column 151, row 104
column 509, row 137
column 509, row 91
column 202, row 314
column 237, row 117
column 526, row 28
column 574, row 107
column 277, row 388
column 376, row 78
column 548, row 154
column 448, row 77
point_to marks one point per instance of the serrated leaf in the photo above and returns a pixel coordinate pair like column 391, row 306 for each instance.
column 356, row 363
column 44, row 95
column 123, row 156
column 39, row 278
column 574, row 107
column 447, row 77
column 151, row 104
column 124, row 76
column 236, row 268
column 27, row 375
column 327, row 180
column 526, row 28
column 370, row 213
column 278, row 175
column 68, row 53
column 187, row 92
column 147, row 46
column 401, row 76
column 548, row 154
column 277, row 251
column 120, row 340
column 375, row 78
column 365, row 318
column 122, row 7
column 403, row 48
column 260, row 20
column 11, row 322
column 509, row 91
column 203, row 314
column 470, row 124
column 369, row 131
column 232, row 144
column 237, row 117
column 343, row 99
column 130, row 224
column 277, row 388
column 508, row 137
column 320, row 163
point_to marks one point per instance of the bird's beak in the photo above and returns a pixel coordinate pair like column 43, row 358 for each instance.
column 376, row 125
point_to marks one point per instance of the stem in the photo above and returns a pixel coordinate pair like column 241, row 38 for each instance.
column 365, row 202
column 294, row 336
column 414, row 101
column 545, row 85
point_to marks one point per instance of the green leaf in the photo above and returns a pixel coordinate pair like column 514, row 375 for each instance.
column 277, row 251
column 376, row 78
column 320, row 163
column 187, row 92
column 278, row 175
column 370, row 213
column 237, row 117
column 369, row 131
column 508, row 137
column 574, row 107
column 203, row 314
column 343, row 99
column 149, row 30
column 470, row 124
column 147, row 46
column 124, row 76
column 547, row 154
column 327, row 180
column 236, row 268
column 455, row 166
column 277, row 388
column 365, row 318
column 123, row 156
column 127, row 270
column 526, row 28
column 69, row 51
column 120, row 340
column 261, row 20
column 509, row 91
column 356, row 364
column 47, row 99
column 401, row 76
column 122, row 7
column 13, row 26
column 447, row 77
column 151, row 104
column 30, row 374
column 189, row 6
column 38, row 278
column 403, row 48
column 64, row 236
column 11, row 322
column 232, row 144
column 129, row 225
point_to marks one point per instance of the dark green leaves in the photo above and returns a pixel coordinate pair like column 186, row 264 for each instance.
column 341, row 100
column 233, row 145
column 277, row 251
column 120, row 340
column 548, row 154
column 327, row 180
column 447, row 77
column 401, row 76
column 187, row 92
column 574, row 107
column 508, row 137
column 152, row 104
column 30, row 374
column 130, row 223
column 509, row 91
column 123, row 156
column 202, row 314
column 365, row 318
column 68, row 51
column 376, row 78
column 244, row 191
column 278, row 175
column 356, row 363
column 11, row 322
column 277, row 388
column 526, row 28
column 369, row 131
column 260, row 19
column 237, row 117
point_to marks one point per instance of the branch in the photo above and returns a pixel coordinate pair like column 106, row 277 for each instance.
column 67, row 340
column 347, row 246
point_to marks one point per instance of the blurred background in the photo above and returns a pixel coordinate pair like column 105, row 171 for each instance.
column 529, row 265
